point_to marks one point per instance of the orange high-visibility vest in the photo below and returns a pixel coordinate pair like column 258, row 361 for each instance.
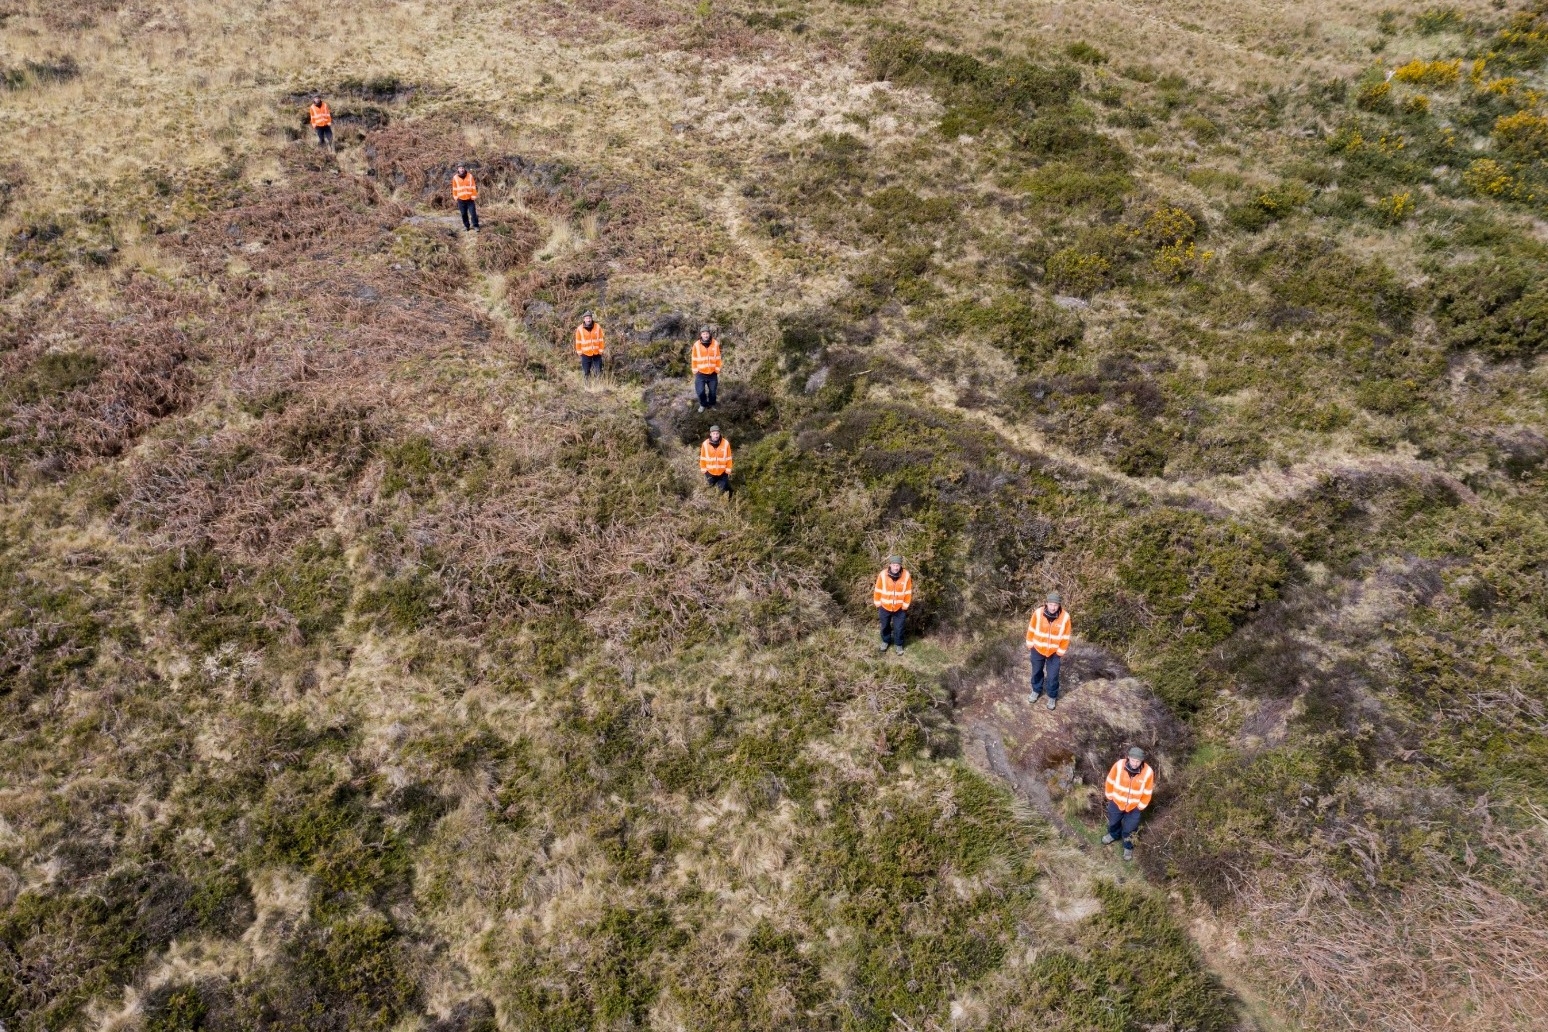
column 890, row 594
column 1049, row 636
column 321, row 116
column 715, row 460
column 464, row 189
column 1130, row 792
column 589, row 342
column 706, row 357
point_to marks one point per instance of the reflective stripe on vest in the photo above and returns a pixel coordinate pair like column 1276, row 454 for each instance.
column 1049, row 636
column 464, row 188
column 589, row 342
column 715, row 460
column 890, row 594
column 706, row 357
column 321, row 116
column 1130, row 793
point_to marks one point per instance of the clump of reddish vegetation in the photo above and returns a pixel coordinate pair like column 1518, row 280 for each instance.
column 84, row 384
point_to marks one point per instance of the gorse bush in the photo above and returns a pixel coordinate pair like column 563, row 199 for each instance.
column 1429, row 73
column 1072, row 271
column 1523, row 135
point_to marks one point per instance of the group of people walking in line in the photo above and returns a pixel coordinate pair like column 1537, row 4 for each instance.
column 715, row 453
column 1130, row 782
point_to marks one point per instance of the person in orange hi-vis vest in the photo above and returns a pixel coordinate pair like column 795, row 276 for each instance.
column 1048, row 639
column 589, row 345
column 706, row 368
column 465, row 193
column 322, row 120
column 715, row 461
column 1130, row 784
column 891, row 596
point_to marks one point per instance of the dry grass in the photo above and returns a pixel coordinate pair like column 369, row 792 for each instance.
column 1455, row 953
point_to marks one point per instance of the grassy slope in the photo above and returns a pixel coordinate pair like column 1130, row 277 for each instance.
column 360, row 667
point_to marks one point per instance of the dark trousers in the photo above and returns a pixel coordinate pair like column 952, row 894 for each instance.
column 1045, row 673
column 892, row 625
column 705, row 385
column 719, row 480
column 325, row 136
column 469, row 212
column 591, row 365
column 1122, row 826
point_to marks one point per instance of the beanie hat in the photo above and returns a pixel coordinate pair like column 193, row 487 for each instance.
column 1055, row 598
column 1137, row 754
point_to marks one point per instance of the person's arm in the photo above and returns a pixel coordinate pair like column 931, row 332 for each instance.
column 876, row 591
column 908, row 592
column 1147, row 787
column 1111, row 789
column 728, row 457
column 1063, row 640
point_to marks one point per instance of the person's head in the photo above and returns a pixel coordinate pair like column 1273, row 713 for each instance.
column 587, row 320
column 317, row 98
column 714, row 435
column 1136, row 758
column 462, row 170
column 1053, row 601
column 895, row 564
column 704, row 334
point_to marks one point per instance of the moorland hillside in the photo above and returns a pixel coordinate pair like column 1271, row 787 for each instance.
column 363, row 668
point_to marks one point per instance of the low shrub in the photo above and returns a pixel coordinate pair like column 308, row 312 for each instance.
column 1489, row 178
column 1068, row 184
column 1133, row 968
column 1499, row 307
column 1179, row 261
column 1028, row 330
column 1434, row 74
column 1085, row 53
column 1394, row 208
column 897, row 211
column 1071, row 271
column 1523, row 135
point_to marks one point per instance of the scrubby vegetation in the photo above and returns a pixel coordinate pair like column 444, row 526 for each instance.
column 361, row 669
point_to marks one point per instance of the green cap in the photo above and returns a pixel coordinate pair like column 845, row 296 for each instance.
column 1137, row 754
column 1055, row 598
column 894, row 560
column 714, row 429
